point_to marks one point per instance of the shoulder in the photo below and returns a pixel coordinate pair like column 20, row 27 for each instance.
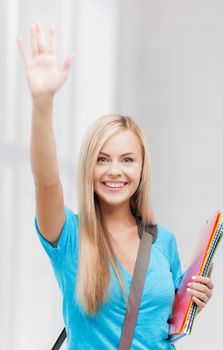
column 70, row 228
column 68, row 238
column 165, row 236
column 71, row 217
column 166, row 240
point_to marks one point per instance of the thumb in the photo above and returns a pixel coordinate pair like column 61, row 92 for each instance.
column 67, row 62
column 211, row 270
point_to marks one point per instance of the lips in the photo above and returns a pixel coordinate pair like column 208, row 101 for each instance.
column 118, row 185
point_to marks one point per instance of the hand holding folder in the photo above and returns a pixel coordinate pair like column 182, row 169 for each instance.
column 184, row 309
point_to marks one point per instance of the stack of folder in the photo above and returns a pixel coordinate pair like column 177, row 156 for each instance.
column 184, row 309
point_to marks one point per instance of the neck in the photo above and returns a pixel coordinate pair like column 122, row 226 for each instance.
column 118, row 219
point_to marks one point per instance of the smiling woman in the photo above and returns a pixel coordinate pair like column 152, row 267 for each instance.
column 93, row 252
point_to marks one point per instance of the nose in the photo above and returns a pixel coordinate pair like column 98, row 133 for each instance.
column 114, row 169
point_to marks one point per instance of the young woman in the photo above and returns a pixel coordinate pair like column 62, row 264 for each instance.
column 93, row 253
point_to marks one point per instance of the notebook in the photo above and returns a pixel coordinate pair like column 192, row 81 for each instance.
column 184, row 309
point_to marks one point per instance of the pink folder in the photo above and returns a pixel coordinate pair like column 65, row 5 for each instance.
column 184, row 309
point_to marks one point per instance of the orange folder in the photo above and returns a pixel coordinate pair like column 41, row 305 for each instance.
column 184, row 309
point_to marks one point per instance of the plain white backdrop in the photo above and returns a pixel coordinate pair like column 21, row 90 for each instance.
column 160, row 62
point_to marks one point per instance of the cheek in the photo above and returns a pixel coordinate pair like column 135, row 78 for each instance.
column 98, row 173
column 134, row 173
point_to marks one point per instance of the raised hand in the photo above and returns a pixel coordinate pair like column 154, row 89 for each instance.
column 44, row 74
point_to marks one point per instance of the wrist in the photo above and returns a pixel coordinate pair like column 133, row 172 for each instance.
column 42, row 100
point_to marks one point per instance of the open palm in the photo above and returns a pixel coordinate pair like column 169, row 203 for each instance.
column 44, row 74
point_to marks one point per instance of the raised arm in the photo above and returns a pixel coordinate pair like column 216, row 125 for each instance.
column 45, row 77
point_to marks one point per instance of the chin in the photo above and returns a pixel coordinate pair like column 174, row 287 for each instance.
column 113, row 201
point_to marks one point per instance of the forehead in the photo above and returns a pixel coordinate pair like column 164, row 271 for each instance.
column 124, row 141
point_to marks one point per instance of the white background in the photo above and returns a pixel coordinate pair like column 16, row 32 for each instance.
column 158, row 61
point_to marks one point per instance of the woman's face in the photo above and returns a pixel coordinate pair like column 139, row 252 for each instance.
column 118, row 169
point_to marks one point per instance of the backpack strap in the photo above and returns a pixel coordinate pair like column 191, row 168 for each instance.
column 60, row 340
column 135, row 295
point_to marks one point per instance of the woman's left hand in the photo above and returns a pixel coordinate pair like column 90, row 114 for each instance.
column 201, row 293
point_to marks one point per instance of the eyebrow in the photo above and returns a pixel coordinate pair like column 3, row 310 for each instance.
column 125, row 154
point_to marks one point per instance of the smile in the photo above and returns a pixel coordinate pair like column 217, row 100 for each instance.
column 115, row 186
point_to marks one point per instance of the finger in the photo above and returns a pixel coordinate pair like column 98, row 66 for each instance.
column 67, row 63
column 33, row 40
column 41, row 44
column 23, row 49
column 209, row 283
column 205, row 280
column 52, row 40
column 211, row 270
column 200, row 295
column 199, row 303
column 200, row 288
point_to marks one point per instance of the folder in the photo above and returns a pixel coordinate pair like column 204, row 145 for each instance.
column 184, row 309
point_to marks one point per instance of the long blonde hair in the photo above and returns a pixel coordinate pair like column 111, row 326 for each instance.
column 95, row 250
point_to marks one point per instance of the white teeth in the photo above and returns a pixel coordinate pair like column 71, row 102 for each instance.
column 114, row 185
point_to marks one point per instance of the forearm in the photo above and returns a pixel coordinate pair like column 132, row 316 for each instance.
column 43, row 146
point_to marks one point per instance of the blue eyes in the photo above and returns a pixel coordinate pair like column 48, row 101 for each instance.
column 103, row 160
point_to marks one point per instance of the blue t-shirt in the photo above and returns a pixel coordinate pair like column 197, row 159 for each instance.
column 104, row 330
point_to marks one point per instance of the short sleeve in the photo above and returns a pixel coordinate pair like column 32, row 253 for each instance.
column 67, row 242
column 175, row 263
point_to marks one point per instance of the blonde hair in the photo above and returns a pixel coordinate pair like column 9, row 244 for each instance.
column 95, row 250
